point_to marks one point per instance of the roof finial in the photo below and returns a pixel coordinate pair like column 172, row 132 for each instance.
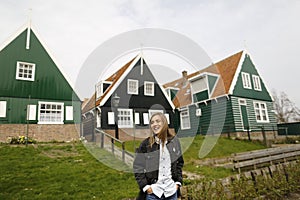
column 142, row 62
column 28, row 29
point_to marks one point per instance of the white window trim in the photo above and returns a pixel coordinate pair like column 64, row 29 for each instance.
column 186, row 116
column 260, row 111
column 243, row 102
column 99, row 88
column 130, row 125
column 3, row 105
column 18, row 68
column 152, row 88
column 136, row 89
column 256, row 82
column 50, row 122
column 246, row 80
column 192, row 81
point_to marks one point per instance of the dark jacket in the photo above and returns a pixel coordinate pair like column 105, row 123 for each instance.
column 146, row 162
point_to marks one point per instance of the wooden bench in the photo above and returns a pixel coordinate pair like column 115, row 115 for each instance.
column 266, row 157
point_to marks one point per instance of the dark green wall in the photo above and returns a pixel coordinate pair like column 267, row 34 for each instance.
column 216, row 116
column 16, row 109
column 240, row 91
column 49, row 82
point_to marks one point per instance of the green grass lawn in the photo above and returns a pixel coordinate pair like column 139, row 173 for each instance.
column 223, row 147
column 60, row 171
column 69, row 171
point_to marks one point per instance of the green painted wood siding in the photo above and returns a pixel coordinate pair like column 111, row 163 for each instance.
column 17, row 108
column 239, row 90
column 254, row 125
column 49, row 82
column 200, row 96
column 217, row 116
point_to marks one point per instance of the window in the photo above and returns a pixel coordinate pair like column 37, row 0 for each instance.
column 261, row 112
column 51, row 113
column 199, row 84
column 148, row 88
column 25, row 71
column 256, row 82
column 151, row 112
column 2, row 108
column 101, row 87
column 246, row 80
column 185, row 119
column 125, row 118
column 132, row 86
column 147, row 116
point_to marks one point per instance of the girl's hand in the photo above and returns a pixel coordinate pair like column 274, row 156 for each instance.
column 149, row 191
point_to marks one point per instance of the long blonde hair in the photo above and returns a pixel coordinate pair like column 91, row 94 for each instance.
column 164, row 134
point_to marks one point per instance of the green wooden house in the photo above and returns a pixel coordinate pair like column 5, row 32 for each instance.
column 35, row 96
column 229, row 96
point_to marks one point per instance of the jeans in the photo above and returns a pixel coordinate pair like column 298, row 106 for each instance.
column 154, row 197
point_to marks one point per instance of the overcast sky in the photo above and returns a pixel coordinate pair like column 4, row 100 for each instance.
column 269, row 30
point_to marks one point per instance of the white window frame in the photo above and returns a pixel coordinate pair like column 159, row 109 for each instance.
column 185, row 115
column 20, row 71
column 50, row 112
column 3, row 105
column 132, row 89
column 246, row 80
column 195, row 83
column 125, row 118
column 148, row 91
column 256, row 82
column 100, row 89
column 261, row 112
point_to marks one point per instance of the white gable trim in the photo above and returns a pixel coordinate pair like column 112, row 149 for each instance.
column 237, row 72
column 166, row 96
column 117, row 84
column 261, row 78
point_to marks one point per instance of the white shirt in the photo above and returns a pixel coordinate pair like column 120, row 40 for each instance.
column 165, row 184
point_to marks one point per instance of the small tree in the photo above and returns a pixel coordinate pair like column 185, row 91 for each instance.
column 285, row 109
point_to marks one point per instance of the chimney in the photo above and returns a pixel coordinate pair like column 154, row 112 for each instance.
column 185, row 79
column 184, row 74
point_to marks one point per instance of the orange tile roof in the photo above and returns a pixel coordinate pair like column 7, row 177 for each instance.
column 226, row 68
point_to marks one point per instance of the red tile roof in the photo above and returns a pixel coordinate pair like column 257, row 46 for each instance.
column 92, row 102
column 225, row 68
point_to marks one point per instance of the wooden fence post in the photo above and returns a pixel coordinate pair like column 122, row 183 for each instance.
column 248, row 132
column 264, row 135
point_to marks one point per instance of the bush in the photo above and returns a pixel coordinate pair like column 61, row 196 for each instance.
column 20, row 140
column 277, row 185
